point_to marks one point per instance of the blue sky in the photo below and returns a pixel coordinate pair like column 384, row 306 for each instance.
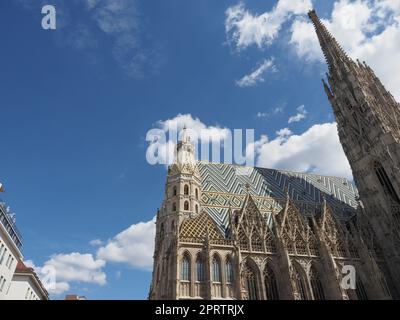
column 76, row 104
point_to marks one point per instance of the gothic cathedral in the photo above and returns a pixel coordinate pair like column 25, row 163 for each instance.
column 274, row 234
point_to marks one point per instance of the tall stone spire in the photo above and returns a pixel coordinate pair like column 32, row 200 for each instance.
column 185, row 151
column 368, row 122
column 334, row 54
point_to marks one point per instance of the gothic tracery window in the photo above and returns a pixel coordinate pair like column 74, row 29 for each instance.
column 199, row 268
column 186, row 189
column 186, row 206
column 300, row 284
column 229, row 271
column 216, row 269
column 174, row 192
column 270, row 283
column 316, row 285
column 174, row 207
column 197, row 208
column 249, row 282
column 185, row 267
column 197, row 194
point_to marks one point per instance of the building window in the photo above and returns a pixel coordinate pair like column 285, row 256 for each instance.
column 174, row 207
column 229, row 270
column 197, row 208
column 199, row 268
column 300, row 285
column 316, row 285
column 249, row 281
column 174, row 192
column 216, row 270
column 197, row 194
column 385, row 181
column 2, row 284
column 186, row 206
column 2, row 257
column 186, row 189
column 185, row 268
column 270, row 283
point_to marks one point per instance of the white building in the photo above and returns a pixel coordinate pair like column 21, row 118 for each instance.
column 26, row 285
column 10, row 249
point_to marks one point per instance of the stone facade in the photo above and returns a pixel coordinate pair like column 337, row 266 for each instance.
column 273, row 234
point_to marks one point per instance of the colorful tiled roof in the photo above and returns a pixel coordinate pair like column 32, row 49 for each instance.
column 225, row 186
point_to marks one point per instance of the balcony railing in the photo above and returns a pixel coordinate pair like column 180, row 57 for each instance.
column 9, row 225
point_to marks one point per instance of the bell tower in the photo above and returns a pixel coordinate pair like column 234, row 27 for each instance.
column 368, row 119
column 181, row 201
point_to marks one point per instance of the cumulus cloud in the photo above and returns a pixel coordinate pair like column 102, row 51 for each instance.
column 367, row 30
column 78, row 267
column 245, row 29
column 301, row 114
column 163, row 143
column 96, row 242
column 316, row 150
column 256, row 76
column 133, row 246
column 61, row 269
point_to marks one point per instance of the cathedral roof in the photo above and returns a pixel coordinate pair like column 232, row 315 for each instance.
column 225, row 187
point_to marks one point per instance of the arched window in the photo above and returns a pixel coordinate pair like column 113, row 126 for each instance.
column 173, row 226
column 249, row 282
column 316, row 285
column 199, row 268
column 186, row 189
column 360, row 290
column 197, row 194
column 229, row 271
column 174, row 207
column 185, row 267
column 270, row 283
column 385, row 181
column 174, row 192
column 197, row 208
column 300, row 284
column 186, row 206
column 216, row 270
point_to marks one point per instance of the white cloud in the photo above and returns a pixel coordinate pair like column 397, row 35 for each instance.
column 316, row 150
column 196, row 129
column 367, row 30
column 78, row 267
column 59, row 288
column 96, row 242
column 301, row 114
column 133, row 246
column 272, row 112
column 283, row 133
column 256, row 76
column 72, row 267
column 245, row 29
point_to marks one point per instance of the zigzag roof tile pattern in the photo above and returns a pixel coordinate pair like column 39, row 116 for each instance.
column 225, row 186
